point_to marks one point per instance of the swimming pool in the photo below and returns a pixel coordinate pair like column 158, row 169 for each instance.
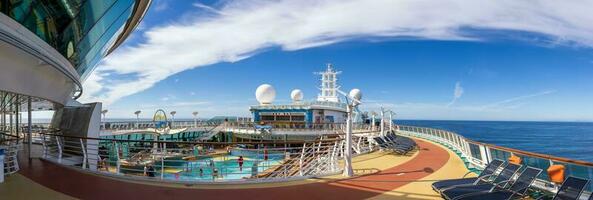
column 227, row 167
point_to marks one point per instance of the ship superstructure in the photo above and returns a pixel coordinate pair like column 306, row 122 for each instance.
column 326, row 109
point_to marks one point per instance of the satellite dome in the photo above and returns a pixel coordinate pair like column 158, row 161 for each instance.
column 296, row 95
column 355, row 94
column 265, row 94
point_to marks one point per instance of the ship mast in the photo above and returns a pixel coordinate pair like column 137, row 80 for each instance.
column 329, row 85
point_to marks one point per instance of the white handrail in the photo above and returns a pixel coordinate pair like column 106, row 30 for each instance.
column 117, row 158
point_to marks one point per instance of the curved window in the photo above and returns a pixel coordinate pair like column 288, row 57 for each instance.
column 81, row 30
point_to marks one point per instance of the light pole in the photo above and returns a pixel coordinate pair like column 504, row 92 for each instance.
column 104, row 113
column 354, row 96
column 390, row 120
column 195, row 113
column 173, row 118
column 137, row 113
column 382, row 121
column 373, row 114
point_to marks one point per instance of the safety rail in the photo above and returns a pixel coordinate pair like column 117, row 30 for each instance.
column 11, row 145
column 195, row 162
column 251, row 127
column 143, row 125
column 477, row 154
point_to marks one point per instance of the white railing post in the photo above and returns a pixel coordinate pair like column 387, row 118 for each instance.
column 59, row 149
column 333, row 155
column 358, row 150
column 163, row 153
column 44, row 146
column 117, row 162
column 483, row 154
column 370, row 144
column 301, row 160
column 489, row 154
column 84, row 155
column 286, row 167
column 341, row 149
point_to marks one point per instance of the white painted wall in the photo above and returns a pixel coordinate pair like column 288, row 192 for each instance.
column 31, row 67
column 24, row 74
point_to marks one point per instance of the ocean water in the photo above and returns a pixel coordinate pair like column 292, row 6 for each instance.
column 564, row 139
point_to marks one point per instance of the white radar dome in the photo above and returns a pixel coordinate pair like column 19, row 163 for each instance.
column 296, row 95
column 265, row 94
column 355, row 94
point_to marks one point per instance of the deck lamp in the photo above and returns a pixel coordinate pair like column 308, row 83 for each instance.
column 104, row 112
column 352, row 100
column 173, row 118
column 373, row 114
column 137, row 113
column 195, row 113
column 391, row 113
column 382, row 121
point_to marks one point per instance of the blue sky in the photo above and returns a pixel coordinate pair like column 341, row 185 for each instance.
column 209, row 56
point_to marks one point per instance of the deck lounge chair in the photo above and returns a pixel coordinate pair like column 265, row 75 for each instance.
column 517, row 190
column 404, row 144
column 382, row 143
column 481, row 179
column 571, row 189
column 400, row 141
column 390, row 146
column 500, row 181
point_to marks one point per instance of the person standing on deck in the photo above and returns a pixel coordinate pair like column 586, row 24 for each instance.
column 151, row 171
column 265, row 155
column 240, row 161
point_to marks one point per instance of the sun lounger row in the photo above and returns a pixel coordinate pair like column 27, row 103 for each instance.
column 398, row 144
column 490, row 186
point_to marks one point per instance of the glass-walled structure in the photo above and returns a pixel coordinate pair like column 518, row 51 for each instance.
column 81, row 30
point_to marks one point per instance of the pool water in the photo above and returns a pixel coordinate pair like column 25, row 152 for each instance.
column 227, row 166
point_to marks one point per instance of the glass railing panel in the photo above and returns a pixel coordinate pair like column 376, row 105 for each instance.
column 498, row 154
column 537, row 163
column 475, row 151
column 578, row 171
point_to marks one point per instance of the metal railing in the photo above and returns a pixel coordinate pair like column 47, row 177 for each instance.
column 197, row 162
column 251, row 127
column 476, row 155
column 11, row 145
column 325, row 104
column 142, row 125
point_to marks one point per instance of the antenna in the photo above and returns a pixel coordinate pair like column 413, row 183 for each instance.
column 329, row 84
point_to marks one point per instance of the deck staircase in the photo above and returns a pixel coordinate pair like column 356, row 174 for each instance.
column 314, row 158
column 212, row 132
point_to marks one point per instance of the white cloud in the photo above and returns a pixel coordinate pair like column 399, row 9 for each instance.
column 509, row 102
column 207, row 8
column 500, row 110
column 457, row 93
column 168, row 97
column 239, row 29
column 161, row 5
column 190, row 103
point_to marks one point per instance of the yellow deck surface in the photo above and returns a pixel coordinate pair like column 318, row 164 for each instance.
column 422, row 189
column 17, row 187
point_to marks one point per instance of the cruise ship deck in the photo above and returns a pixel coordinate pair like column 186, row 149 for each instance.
column 378, row 175
column 329, row 147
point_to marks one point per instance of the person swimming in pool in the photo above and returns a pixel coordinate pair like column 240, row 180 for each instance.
column 240, row 161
